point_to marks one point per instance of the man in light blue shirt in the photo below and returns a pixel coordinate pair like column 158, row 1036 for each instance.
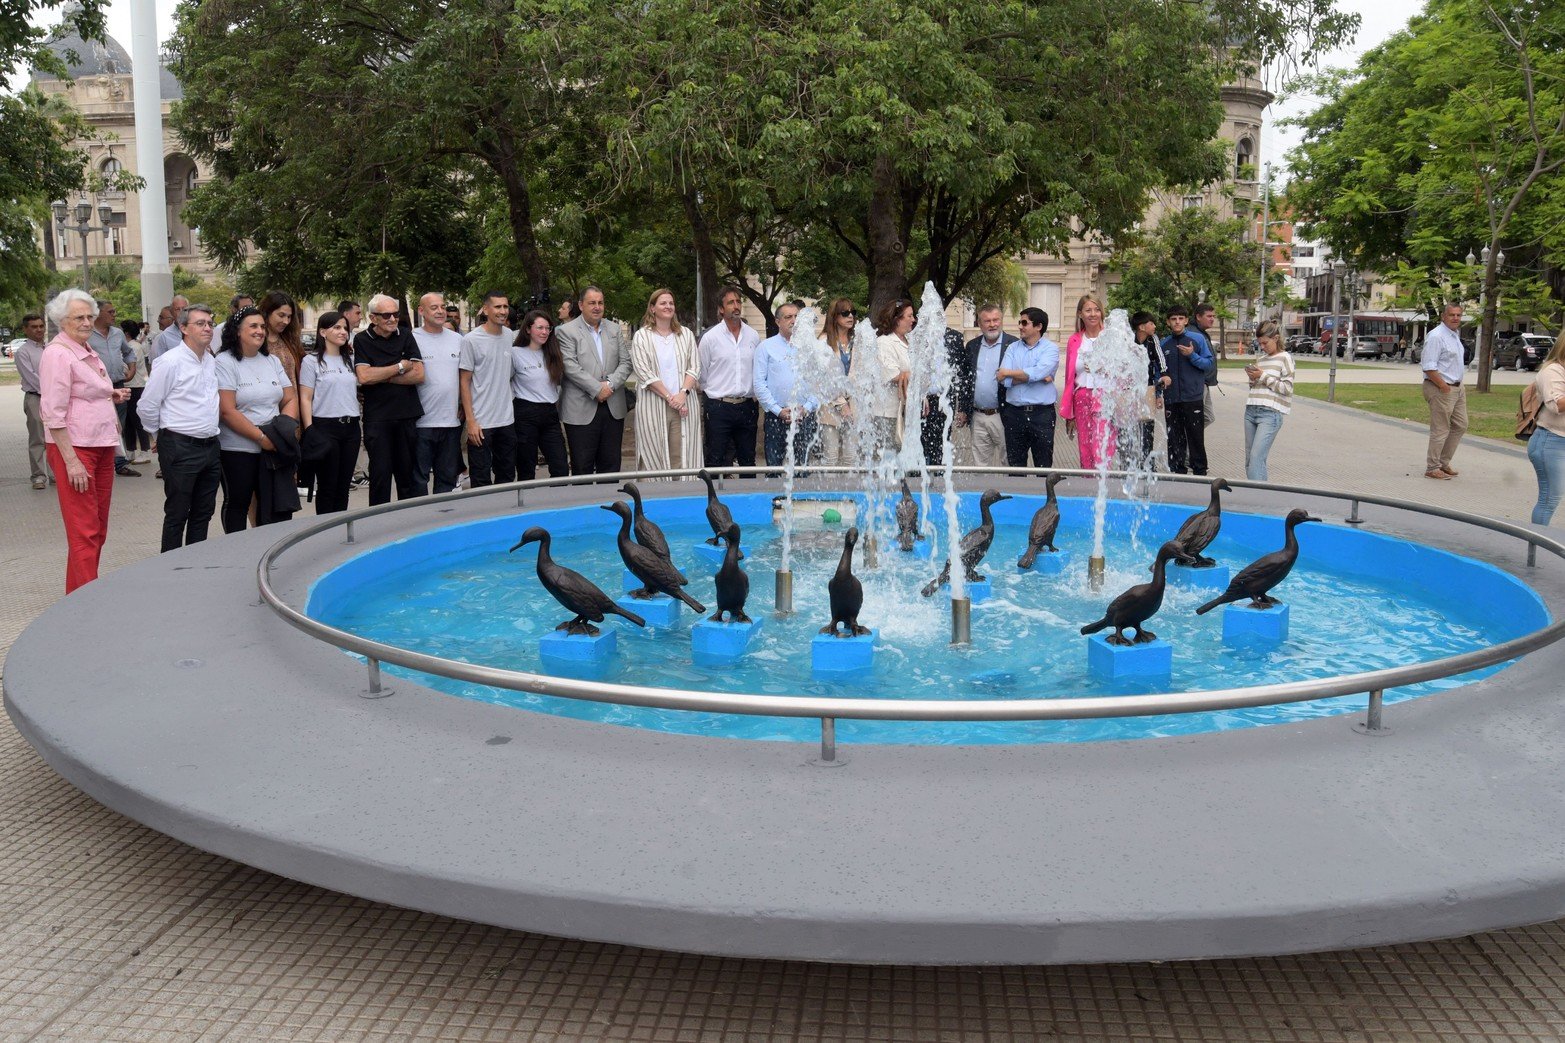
column 1442, row 363
column 1027, row 411
column 776, row 383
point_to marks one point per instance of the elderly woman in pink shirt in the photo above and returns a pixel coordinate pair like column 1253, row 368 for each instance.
column 76, row 403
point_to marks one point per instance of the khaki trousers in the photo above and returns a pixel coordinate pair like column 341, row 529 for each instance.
column 988, row 439
column 1447, row 423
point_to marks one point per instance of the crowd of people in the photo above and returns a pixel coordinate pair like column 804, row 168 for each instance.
column 239, row 405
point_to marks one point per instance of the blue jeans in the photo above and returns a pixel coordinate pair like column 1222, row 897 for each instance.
column 1260, row 428
column 1546, row 450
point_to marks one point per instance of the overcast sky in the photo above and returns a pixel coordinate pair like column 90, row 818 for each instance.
column 1381, row 18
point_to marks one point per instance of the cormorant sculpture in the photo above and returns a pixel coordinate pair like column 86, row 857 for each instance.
column 733, row 586
column 1045, row 523
column 907, row 519
column 647, row 532
column 974, row 545
column 847, row 593
column 1200, row 529
column 1132, row 609
column 656, row 573
column 717, row 514
column 1261, row 575
column 573, row 590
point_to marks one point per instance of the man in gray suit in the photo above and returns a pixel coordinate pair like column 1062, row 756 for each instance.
column 592, row 399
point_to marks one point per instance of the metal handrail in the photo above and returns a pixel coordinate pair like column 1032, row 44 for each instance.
column 1373, row 682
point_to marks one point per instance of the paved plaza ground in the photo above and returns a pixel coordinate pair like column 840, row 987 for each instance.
column 110, row 931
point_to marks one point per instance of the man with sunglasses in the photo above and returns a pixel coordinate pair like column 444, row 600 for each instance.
column 1030, row 393
column 390, row 367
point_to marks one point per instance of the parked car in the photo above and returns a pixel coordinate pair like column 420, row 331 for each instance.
column 12, row 347
column 1520, row 351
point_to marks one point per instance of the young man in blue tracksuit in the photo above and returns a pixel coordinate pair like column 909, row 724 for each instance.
column 1188, row 359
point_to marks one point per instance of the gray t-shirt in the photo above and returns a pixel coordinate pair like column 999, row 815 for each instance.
column 336, row 387
column 440, row 392
column 530, row 377
column 488, row 357
column 258, row 384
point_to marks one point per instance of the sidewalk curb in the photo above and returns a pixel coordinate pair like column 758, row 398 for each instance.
column 1493, row 445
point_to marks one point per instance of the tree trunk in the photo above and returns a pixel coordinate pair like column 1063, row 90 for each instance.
column 519, row 207
column 1491, row 306
column 706, row 256
column 887, row 248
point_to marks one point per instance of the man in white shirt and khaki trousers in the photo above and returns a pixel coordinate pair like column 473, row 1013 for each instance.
column 1442, row 363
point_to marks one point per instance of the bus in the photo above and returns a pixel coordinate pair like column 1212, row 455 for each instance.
column 1374, row 336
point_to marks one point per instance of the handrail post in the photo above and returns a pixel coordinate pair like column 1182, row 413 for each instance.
column 350, row 530
column 1353, row 516
column 1371, row 724
column 828, row 757
column 376, row 691
column 1532, row 555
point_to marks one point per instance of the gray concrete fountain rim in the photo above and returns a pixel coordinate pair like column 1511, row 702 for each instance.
column 233, row 732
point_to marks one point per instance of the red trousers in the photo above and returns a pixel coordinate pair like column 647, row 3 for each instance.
column 86, row 514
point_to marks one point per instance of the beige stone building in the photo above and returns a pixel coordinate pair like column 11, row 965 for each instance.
column 101, row 89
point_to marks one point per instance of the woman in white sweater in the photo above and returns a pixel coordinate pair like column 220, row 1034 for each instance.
column 896, row 365
column 1271, row 395
column 668, row 369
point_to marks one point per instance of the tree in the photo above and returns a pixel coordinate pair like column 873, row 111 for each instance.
column 350, row 140
column 1193, row 255
column 1447, row 138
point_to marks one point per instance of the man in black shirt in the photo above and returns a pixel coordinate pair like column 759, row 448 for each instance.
column 390, row 368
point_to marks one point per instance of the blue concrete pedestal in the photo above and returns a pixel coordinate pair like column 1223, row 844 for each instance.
column 842, row 656
column 1050, row 564
column 1107, row 662
column 923, row 549
column 1214, row 579
column 722, row 642
column 710, row 554
column 1241, row 623
column 660, row 610
column 558, row 644
column 977, row 592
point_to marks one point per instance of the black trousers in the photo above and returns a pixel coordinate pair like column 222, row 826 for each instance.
column 135, row 435
column 1186, row 436
column 595, row 446
column 334, row 471
column 931, row 431
column 246, row 478
column 393, row 448
column 493, row 461
column 730, row 431
column 538, row 430
column 775, row 439
column 1028, row 429
column 192, row 471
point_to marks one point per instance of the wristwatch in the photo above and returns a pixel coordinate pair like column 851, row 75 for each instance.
column 401, row 367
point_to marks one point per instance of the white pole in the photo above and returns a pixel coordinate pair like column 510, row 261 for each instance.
column 1266, row 216
column 157, row 280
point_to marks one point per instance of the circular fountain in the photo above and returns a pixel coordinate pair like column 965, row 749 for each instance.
column 990, row 802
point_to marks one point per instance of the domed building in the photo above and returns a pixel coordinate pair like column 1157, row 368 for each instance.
column 101, row 89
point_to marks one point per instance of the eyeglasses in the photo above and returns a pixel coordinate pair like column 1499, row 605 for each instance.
column 205, row 324
column 383, row 314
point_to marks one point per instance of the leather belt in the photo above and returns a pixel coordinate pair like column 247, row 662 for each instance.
column 985, row 412
column 732, row 400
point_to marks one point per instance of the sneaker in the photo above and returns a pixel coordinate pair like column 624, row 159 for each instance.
column 360, row 479
column 40, row 482
column 159, row 474
column 127, row 472
column 141, row 458
column 1437, row 473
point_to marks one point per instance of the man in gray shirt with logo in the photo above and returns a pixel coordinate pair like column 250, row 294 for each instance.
column 439, row 452
column 486, row 395
column 27, row 358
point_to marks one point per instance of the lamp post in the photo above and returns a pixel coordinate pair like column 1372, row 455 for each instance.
column 81, row 213
column 1335, row 270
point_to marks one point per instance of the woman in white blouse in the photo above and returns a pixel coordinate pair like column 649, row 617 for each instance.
column 896, row 366
column 252, row 389
column 329, row 401
column 537, row 371
column 668, row 416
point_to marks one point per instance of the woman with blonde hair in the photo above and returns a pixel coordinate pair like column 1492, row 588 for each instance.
column 668, row 369
column 1546, row 446
column 836, row 416
column 1270, row 397
column 1081, row 402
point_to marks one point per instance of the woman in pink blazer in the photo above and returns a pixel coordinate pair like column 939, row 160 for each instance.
column 1080, row 401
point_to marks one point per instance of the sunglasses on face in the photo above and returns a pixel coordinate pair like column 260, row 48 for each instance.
column 848, row 314
column 383, row 314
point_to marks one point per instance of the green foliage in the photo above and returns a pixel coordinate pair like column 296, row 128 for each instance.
column 1192, row 255
column 118, row 280
column 1448, row 136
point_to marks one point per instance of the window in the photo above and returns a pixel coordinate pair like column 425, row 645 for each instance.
column 1303, row 251
column 1047, row 295
column 1191, row 202
column 1244, row 157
